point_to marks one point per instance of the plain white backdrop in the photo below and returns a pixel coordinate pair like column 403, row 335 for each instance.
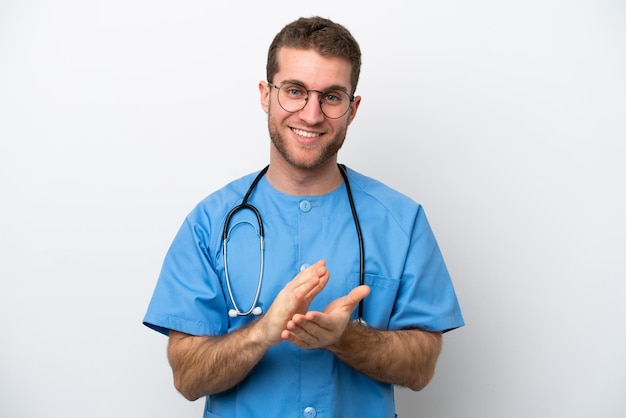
column 506, row 120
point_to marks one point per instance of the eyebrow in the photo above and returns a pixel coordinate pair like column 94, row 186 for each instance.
column 300, row 83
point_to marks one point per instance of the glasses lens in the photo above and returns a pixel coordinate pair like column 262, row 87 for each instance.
column 293, row 98
column 335, row 103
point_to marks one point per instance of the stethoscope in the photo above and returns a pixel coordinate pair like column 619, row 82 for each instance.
column 255, row 309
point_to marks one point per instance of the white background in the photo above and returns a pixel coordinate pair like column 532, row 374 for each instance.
column 506, row 120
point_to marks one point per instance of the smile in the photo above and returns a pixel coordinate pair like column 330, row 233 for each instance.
column 306, row 134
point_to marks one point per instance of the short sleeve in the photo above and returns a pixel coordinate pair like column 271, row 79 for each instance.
column 426, row 298
column 188, row 296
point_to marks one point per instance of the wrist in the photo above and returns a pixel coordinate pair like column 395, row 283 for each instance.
column 349, row 338
column 256, row 334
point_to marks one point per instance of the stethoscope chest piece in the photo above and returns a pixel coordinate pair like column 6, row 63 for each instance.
column 233, row 313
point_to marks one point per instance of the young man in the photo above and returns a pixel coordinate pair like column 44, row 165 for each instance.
column 347, row 291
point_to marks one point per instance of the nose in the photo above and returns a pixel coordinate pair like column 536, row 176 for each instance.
column 312, row 113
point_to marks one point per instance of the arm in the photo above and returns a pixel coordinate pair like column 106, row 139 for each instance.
column 206, row 365
column 402, row 357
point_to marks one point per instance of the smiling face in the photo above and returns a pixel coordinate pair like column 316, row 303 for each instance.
column 307, row 139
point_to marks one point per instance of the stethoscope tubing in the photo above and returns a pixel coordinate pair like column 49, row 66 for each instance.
column 254, row 309
column 244, row 205
column 357, row 224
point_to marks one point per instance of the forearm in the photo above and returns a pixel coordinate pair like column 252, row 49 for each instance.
column 404, row 357
column 207, row 365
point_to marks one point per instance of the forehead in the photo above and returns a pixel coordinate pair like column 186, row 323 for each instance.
column 312, row 69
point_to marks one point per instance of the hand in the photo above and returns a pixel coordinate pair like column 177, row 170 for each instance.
column 295, row 298
column 322, row 329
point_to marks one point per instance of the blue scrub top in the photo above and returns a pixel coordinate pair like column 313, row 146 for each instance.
column 410, row 288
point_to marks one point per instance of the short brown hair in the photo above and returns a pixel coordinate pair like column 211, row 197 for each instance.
column 324, row 36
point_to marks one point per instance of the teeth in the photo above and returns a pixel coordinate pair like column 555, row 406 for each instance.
column 306, row 134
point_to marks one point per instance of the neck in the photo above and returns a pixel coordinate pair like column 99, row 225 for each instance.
column 304, row 182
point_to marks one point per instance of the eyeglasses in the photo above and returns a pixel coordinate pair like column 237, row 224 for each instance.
column 292, row 97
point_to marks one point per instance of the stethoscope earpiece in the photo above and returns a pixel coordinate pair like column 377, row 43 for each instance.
column 257, row 311
column 232, row 313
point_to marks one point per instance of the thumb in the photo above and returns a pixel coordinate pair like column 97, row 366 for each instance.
column 357, row 294
column 348, row 302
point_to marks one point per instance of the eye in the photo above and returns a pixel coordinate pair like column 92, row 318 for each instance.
column 334, row 97
column 294, row 91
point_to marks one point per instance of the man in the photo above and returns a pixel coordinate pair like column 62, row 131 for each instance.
column 324, row 337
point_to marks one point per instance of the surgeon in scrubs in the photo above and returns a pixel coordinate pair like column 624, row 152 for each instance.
column 305, row 289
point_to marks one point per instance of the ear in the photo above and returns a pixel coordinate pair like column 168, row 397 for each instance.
column 353, row 108
column 264, row 91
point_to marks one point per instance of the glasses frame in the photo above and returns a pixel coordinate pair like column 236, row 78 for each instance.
column 306, row 99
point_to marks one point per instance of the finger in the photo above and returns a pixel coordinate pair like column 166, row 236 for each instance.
column 293, row 337
column 357, row 294
column 301, row 337
column 302, row 321
column 308, row 331
column 348, row 302
column 316, row 270
column 314, row 279
column 315, row 322
column 307, row 290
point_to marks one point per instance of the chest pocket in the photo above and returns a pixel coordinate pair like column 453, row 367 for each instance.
column 378, row 305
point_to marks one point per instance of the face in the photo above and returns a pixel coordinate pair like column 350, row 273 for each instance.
column 307, row 139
